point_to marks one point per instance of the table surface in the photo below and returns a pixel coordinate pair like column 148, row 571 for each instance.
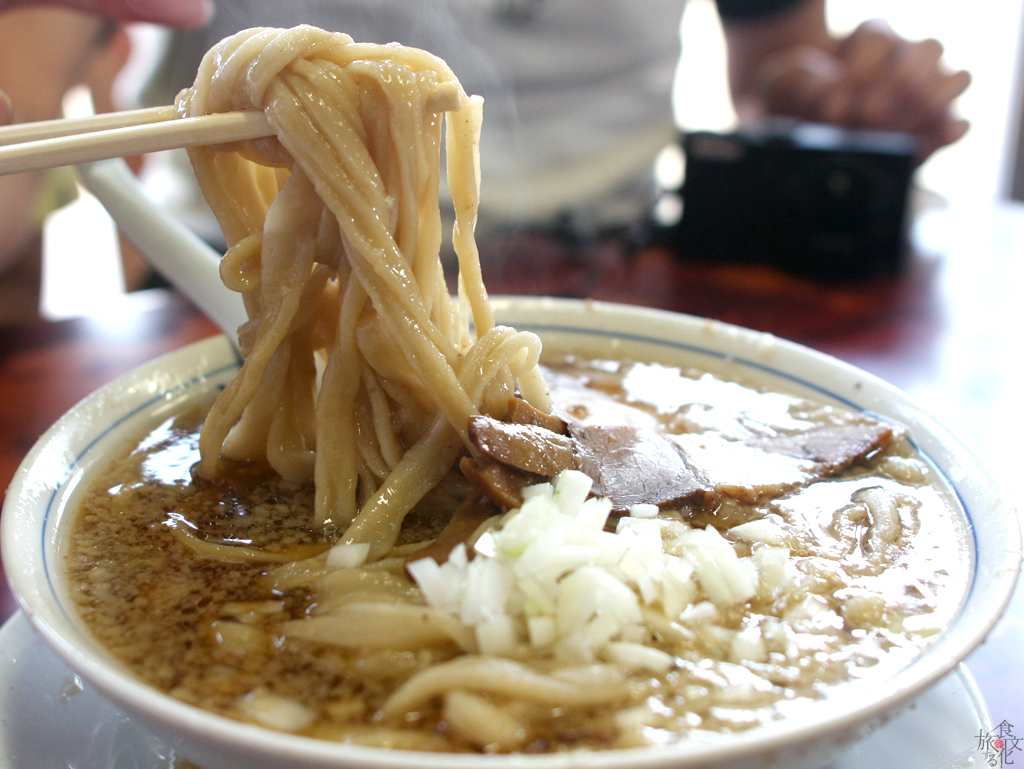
column 946, row 330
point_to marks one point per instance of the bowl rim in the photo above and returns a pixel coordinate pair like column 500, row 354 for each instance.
column 588, row 317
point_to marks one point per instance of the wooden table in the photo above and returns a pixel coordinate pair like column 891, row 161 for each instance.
column 947, row 330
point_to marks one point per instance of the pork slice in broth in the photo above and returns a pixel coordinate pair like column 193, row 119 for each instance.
column 632, row 461
column 759, row 469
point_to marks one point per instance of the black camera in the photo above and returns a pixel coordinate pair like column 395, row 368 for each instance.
column 821, row 201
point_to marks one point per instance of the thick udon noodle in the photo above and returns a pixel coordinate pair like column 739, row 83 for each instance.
column 360, row 371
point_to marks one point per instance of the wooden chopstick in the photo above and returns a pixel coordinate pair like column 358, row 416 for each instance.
column 34, row 146
column 51, row 129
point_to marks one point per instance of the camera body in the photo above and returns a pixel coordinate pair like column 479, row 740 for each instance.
column 813, row 199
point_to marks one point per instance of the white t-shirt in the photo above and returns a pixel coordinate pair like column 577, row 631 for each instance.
column 577, row 93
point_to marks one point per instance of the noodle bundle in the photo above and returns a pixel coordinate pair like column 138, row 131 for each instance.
column 361, row 371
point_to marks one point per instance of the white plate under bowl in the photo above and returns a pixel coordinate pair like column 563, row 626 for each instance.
column 41, row 498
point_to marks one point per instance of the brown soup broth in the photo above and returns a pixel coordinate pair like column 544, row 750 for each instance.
column 206, row 627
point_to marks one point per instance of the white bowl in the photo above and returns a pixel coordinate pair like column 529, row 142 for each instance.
column 41, row 499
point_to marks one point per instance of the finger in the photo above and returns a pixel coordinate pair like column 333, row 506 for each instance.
column 954, row 131
column 916, row 63
column 876, row 107
column 797, row 82
column 908, row 92
column 868, row 51
column 920, row 92
column 947, row 89
column 920, row 109
column 175, row 13
column 914, row 75
column 946, row 133
column 888, row 105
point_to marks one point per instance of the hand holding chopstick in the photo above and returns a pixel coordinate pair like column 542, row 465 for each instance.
column 34, row 146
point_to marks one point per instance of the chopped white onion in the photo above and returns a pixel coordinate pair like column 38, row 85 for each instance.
column 748, row 646
column 643, row 511
column 497, row 636
column 571, row 492
column 723, row 578
column 552, row 578
column 705, row 611
column 771, row 567
column 347, row 556
column 761, row 530
column 542, row 631
column 276, row 712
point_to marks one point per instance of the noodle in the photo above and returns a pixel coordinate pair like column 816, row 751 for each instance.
column 361, row 372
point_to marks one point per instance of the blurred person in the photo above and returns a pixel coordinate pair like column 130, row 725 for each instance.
column 577, row 93
column 173, row 13
column 44, row 51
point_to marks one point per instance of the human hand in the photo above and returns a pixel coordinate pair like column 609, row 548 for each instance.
column 872, row 79
column 174, row 13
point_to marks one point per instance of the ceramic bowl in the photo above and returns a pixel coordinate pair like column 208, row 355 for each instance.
column 41, row 501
